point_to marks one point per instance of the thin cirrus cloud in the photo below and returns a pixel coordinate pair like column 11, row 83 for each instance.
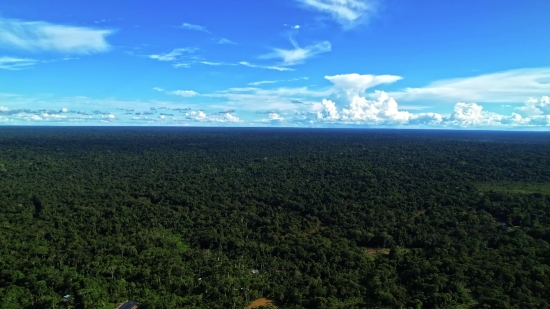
column 194, row 27
column 297, row 55
column 267, row 67
column 39, row 36
column 253, row 98
column 348, row 13
column 513, row 86
column 12, row 63
column 263, row 82
column 173, row 55
column 225, row 41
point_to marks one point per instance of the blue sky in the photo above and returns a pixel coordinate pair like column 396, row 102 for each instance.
column 306, row 63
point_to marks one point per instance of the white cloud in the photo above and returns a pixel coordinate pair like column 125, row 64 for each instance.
column 182, row 65
column 12, row 63
column 173, row 55
column 296, row 27
column 194, row 27
column 348, row 13
column 181, row 93
column 355, row 84
column 184, row 93
column 263, row 82
column 512, row 86
column 384, row 110
column 200, row 116
column 230, row 118
column 267, row 67
column 4, row 109
column 43, row 36
column 275, row 116
column 298, row 55
column 330, row 112
column 215, row 63
column 471, row 114
column 272, row 117
column 534, row 107
column 225, row 41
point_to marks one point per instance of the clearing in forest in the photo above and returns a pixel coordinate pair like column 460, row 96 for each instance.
column 374, row 251
column 260, row 302
column 418, row 214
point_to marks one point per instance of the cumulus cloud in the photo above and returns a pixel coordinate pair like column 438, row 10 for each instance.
column 201, row 116
column 360, row 109
column 272, row 117
column 267, row 67
column 535, row 107
column 173, row 55
column 298, row 55
column 354, row 84
column 348, row 13
column 194, row 27
column 44, row 36
column 384, row 109
column 13, row 63
column 512, row 86
column 275, row 116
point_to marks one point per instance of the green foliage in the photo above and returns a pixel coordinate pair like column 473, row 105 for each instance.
column 178, row 218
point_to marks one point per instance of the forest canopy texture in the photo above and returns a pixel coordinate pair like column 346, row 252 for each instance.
column 180, row 218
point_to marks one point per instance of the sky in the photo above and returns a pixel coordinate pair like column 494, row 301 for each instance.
column 276, row 63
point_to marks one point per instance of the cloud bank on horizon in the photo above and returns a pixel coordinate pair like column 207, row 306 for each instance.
column 302, row 63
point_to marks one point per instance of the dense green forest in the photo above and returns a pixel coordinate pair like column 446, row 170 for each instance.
column 179, row 218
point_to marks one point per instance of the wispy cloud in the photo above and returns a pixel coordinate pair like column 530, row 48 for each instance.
column 267, row 67
column 173, row 55
column 298, row 55
column 254, row 98
column 181, row 93
column 258, row 83
column 215, row 63
column 514, row 86
column 12, row 63
column 263, row 82
column 194, row 27
column 348, row 13
column 225, row 41
column 42, row 36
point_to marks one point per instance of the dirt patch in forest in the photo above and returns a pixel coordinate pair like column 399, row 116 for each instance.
column 374, row 251
column 418, row 214
column 260, row 302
